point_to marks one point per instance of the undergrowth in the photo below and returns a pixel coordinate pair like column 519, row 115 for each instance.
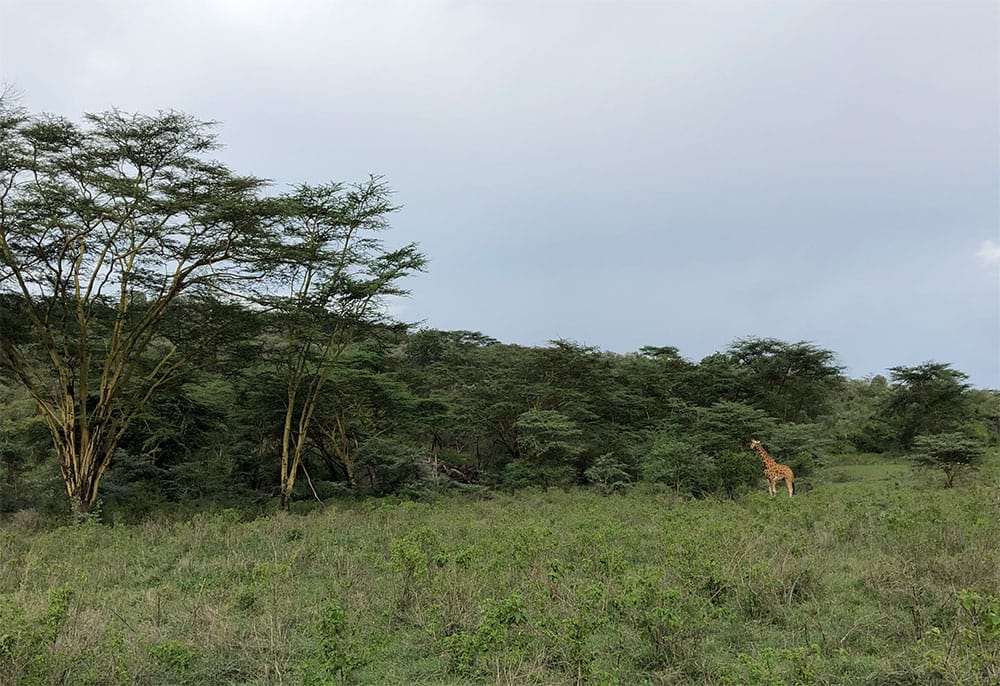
column 875, row 576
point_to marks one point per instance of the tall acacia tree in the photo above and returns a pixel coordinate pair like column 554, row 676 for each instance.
column 326, row 274
column 104, row 226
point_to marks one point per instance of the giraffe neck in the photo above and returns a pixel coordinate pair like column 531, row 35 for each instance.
column 767, row 459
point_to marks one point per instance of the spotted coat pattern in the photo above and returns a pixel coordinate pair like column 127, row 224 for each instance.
column 774, row 471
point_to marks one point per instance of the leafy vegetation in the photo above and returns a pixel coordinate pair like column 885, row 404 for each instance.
column 178, row 348
column 877, row 575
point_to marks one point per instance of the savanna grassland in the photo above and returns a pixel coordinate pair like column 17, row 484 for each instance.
column 872, row 574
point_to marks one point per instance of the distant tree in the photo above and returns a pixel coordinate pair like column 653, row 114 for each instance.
column 931, row 398
column 645, row 386
column 717, row 378
column 389, row 465
column 571, row 378
column 449, row 373
column 427, row 347
column 23, row 437
column 103, row 228
column 952, row 453
column 857, row 420
column 790, row 381
column 495, row 388
column 985, row 411
column 800, row 446
column 361, row 402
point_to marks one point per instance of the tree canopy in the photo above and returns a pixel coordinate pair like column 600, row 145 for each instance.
column 181, row 330
column 122, row 243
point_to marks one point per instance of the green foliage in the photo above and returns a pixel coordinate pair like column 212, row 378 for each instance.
column 730, row 426
column 409, row 560
column 389, row 465
column 538, row 587
column 983, row 422
column 858, row 416
column 609, row 474
column 735, row 473
column 951, row 453
column 678, row 464
column 967, row 649
column 793, row 382
column 518, row 474
column 495, row 635
column 55, row 617
column 173, row 656
column 931, row 398
column 800, row 446
column 342, row 651
column 548, row 437
column 27, row 647
column 783, row 667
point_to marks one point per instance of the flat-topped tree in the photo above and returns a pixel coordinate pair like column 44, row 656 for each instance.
column 931, row 398
column 952, row 453
column 105, row 225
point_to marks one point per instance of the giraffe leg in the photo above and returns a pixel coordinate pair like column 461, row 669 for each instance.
column 788, row 482
column 772, row 486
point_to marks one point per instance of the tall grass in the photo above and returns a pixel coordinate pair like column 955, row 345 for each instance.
column 877, row 576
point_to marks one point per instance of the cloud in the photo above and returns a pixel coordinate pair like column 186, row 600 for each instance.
column 989, row 252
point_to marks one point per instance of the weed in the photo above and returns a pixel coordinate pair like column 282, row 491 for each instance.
column 172, row 655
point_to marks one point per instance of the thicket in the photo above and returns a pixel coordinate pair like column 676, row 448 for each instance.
column 417, row 413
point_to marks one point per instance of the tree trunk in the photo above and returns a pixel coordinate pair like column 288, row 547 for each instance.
column 287, row 473
column 950, row 477
column 83, row 461
column 289, row 468
column 81, row 490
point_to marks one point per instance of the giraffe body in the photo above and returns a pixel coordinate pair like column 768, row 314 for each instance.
column 774, row 471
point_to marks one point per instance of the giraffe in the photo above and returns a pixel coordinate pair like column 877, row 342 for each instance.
column 774, row 471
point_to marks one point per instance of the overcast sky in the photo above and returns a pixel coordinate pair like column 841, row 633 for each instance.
column 618, row 174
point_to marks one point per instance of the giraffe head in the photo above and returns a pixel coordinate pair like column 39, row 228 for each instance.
column 754, row 442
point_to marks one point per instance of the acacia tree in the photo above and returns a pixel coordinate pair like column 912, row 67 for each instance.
column 931, row 398
column 952, row 453
column 790, row 381
column 326, row 275
column 103, row 227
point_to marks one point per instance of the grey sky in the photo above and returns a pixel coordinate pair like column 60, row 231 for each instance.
column 619, row 174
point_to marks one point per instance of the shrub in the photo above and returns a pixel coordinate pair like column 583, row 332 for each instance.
column 609, row 474
column 678, row 464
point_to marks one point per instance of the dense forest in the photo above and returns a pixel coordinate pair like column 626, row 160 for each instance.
column 408, row 413
column 172, row 331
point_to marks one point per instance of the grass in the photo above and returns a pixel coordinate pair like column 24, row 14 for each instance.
column 875, row 576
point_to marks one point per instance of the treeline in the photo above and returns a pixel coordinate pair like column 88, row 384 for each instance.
column 171, row 329
column 411, row 412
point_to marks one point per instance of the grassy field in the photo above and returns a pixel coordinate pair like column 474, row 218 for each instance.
column 875, row 575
